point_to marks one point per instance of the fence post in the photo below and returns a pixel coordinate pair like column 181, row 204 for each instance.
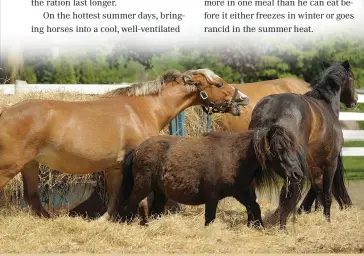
column 173, row 126
column 206, row 122
column 181, row 126
column 177, row 125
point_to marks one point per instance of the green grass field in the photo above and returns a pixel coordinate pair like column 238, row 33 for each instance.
column 354, row 166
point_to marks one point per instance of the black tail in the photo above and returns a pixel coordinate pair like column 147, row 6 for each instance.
column 128, row 176
column 265, row 178
column 338, row 186
column 278, row 152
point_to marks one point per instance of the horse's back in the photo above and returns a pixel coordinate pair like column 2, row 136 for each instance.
column 308, row 119
column 283, row 109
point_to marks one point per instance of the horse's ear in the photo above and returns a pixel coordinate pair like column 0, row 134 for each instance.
column 186, row 79
column 346, row 65
column 325, row 64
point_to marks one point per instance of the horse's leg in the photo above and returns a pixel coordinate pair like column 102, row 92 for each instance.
column 144, row 207
column 248, row 199
column 319, row 200
column 113, row 178
column 308, row 201
column 30, row 176
column 159, row 202
column 132, row 204
column 327, row 188
column 210, row 210
column 288, row 199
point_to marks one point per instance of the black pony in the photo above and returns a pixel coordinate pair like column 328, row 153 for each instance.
column 300, row 138
column 194, row 171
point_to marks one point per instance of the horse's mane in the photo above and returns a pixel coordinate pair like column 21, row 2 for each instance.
column 154, row 87
column 330, row 80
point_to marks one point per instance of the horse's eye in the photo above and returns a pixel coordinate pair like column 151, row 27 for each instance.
column 220, row 85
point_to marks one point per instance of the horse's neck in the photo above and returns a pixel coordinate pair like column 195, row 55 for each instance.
column 170, row 103
column 332, row 98
column 335, row 105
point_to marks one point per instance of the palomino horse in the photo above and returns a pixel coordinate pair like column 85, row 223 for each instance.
column 194, row 171
column 256, row 91
column 93, row 136
column 299, row 137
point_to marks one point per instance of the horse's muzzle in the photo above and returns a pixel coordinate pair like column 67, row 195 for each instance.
column 243, row 101
column 240, row 98
column 295, row 175
column 240, row 102
column 352, row 104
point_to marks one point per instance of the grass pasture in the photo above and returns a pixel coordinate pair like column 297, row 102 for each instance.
column 354, row 166
column 184, row 232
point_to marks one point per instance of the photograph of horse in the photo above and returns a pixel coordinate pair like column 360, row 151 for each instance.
column 194, row 171
column 299, row 137
column 83, row 137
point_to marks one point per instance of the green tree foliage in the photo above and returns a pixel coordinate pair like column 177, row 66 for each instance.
column 64, row 72
column 29, row 75
column 235, row 63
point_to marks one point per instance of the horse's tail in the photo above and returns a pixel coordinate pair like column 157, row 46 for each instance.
column 278, row 152
column 264, row 178
column 128, row 176
column 338, row 186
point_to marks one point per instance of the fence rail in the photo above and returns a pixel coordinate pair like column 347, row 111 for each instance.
column 177, row 124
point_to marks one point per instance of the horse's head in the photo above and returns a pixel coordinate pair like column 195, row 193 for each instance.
column 215, row 94
column 348, row 95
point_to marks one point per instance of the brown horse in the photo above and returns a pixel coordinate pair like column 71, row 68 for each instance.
column 256, row 91
column 193, row 171
column 93, row 136
column 299, row 136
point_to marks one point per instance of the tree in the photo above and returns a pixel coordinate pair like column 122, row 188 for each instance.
column 64, row 72
column 29, row 75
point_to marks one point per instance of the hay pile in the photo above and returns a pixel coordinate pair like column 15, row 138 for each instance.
column 184, row 233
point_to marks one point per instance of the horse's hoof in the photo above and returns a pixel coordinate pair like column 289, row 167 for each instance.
column 45, row 215
column 283, row 228
column 104, row 218
column 144, row 223
column 255, row 225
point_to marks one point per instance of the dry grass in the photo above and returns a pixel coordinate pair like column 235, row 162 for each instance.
column 176, row 233
column 184, row 233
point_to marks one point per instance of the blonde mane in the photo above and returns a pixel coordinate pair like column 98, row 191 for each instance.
column 154, row 87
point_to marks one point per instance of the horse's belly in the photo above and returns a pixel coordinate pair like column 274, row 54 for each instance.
column 74, row 164
column 184, row 191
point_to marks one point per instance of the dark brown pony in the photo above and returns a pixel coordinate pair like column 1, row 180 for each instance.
column 194, row 171
column 299, row 137
column 92, row 136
